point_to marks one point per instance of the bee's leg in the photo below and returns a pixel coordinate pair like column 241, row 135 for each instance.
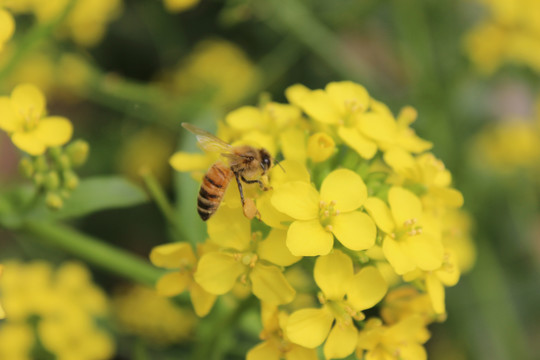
column 237, row 176
column 261, row 184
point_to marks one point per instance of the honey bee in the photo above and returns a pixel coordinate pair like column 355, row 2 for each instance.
column 245, row 163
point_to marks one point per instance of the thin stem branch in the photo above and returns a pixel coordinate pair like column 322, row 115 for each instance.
column 93, row 250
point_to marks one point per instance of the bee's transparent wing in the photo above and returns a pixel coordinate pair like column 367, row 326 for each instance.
column 207, row 141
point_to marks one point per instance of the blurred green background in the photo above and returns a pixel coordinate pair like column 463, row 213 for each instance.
column 154, row 68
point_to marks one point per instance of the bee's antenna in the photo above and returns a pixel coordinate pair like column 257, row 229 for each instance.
column 278, row 164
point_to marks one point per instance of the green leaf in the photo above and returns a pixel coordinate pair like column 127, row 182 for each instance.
column 96, row 194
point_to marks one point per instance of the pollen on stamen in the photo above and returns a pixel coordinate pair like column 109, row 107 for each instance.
column 329, row 228
column 322, row 203
column 336, row 212
column 333, row 203
column 326, row 213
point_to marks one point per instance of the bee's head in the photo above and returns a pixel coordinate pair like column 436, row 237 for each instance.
column 266, row 160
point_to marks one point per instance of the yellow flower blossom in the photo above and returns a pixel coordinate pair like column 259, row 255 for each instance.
column 7, row 27
column 67, row 306
column 320, row 216
column 411, row 239
column 320, row 147
column 23, row 117
column 276, row 344
column 2, row 312
column 402, row 340
column 181, row 258
column 246, row 256
column 180, row 5
column 406, row 301
column 334, row 322
column 219, row 67
column 157, row 320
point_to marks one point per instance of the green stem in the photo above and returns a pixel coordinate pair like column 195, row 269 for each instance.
column 158, row 194
column 300, row 22
column 33, row 37
column 94, row 251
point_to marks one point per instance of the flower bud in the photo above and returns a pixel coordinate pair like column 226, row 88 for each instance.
column 71, row 180
column 320, row 147
column 40, row 164
column 54, row 201
column 77, row 152
column 51, row 180
column 26, row 167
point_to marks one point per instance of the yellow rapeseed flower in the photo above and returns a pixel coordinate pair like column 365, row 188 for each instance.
column 23, row 117
column 7, row 27
column 246, row 256
column 334, row 322
column 320, row 216
column 181, row 258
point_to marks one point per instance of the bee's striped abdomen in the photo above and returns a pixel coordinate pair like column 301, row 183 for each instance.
column 213, row 188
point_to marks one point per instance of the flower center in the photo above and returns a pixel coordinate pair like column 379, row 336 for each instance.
column 30, row 120
column 409, row 228
column 327, row 212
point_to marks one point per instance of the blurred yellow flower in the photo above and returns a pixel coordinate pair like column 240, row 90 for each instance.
column 404, row 339
column 180, row 5
column 7, row 27
column 2, row 312
column 158, row 320
column 64, row 306
column 217, row 67
column 23, row 117
column 321, row 216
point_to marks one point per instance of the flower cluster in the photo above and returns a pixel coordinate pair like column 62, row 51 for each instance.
column 159, row 321
column 509, row 33
column 52, row 312
column 357, row 206
column 85, row 22
column 23, row 117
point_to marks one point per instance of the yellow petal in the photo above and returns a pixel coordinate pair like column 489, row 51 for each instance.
column 412, row 351
column 298, row 352
column 346, row 188
column 378, row 127
column 449, row 272
column 201, row 299
column 269, row 214
column 9, row 121
column 54, row 130
column 265, row 350
column 404, row 205
column 245, row 118
column 173, row 283
column 435, row 290
column 308, row 238
column 333, row 274
column 451, row 197
column 293, row 144
column 320, row 147
column 341, row 341
column 217, row 272
column 183, row 161
column 402, row 162
column 28, row 101
column 320, row 107
column 7, row 26
column 288, row 171
column 397, row 256
column 281, row 115
column 296, row 93
column 348, row 96
column 359, row 143
column 28, row 142
column 173, row 256
column 229, row 229
column 355, row 230
column 274, row 249
column 380, row 212
column 367, row 288
column 297, row 199
column 426, row 251
column 309, row 327
column 269, row 285
column 179, row 5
